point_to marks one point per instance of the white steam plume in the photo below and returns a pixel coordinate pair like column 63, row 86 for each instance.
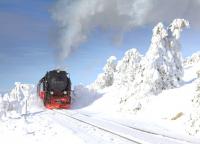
column 77, row 18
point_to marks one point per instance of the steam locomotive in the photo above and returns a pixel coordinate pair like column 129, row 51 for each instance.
column 55, row 90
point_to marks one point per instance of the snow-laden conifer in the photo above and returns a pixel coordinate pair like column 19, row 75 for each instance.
column 106, row 78
column 127, row 67
column 194, row 120
column 163, row 60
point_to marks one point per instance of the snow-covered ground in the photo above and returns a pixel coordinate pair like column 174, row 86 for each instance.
column 138, row 99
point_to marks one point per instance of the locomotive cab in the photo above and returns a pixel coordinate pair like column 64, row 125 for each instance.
column 55, row 89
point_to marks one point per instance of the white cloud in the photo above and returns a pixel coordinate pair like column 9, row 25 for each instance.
column 77, row 18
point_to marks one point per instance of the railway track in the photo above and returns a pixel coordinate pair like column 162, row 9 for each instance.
column 131, row 134
column 71, row 116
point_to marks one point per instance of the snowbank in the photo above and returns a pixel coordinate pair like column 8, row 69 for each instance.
column 19, row 101
column 84, row 96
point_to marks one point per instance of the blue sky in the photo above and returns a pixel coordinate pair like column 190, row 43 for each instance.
column 27, row 45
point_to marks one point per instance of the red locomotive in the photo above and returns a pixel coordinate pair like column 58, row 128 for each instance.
column 55, row 90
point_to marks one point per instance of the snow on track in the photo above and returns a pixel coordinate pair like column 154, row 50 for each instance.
column 54, row 126
column 131, row 134
column 89, row 133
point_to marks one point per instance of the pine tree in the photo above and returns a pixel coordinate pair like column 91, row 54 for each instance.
column 106, row 78
column 194, row 120
column 164, row 68
column 127, row 67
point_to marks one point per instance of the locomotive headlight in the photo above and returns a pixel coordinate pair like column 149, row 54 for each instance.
column 51, row 92
column 65, row 92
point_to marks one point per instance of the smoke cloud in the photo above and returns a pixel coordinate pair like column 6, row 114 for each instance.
column 77, row 18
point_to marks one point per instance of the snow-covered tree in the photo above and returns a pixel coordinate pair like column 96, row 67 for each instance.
column 194, row 59
column 198, row 73
column 163, row 62
column 106, row 78
column 194, row 120
column 127, row 67
column 22, row 96
column 174, row 33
